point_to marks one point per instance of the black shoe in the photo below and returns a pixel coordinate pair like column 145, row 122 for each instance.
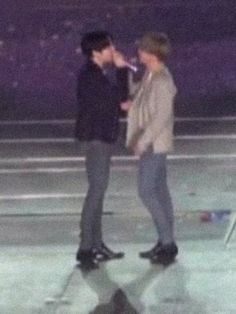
column 152, row 252
column 86, row 260
column 165, row 255
column 105, row 254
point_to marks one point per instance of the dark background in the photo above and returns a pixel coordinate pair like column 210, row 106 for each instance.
column 40, row 54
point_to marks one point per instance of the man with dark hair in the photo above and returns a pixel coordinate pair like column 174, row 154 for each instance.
column 150, row 136
column 95, row 41
column 97, row 128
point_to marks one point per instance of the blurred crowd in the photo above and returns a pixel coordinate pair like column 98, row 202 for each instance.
column 40, row 51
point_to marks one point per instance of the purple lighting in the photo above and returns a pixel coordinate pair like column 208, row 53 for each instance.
column 40, row 53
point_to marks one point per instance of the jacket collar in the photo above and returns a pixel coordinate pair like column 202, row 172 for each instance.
column 92, row 65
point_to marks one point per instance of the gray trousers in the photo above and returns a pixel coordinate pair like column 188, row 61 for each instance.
column 98, row 157
column 154, row 193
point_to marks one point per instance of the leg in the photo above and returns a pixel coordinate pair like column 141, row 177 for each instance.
column 98, row 157
column 97, row 225
column 164, row 196
column 152, row 166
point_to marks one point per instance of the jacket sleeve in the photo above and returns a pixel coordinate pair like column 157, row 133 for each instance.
column 122, row 84
column 133, row 86
column 161, row 104
column 97, row 93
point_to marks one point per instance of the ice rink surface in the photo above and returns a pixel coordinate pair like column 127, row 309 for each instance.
column 42, row 186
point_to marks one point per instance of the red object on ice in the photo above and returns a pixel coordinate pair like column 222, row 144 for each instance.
column 205, row 216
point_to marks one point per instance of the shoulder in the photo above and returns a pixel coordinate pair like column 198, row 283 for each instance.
column 164, row 81
column 163, row 76
column 88, row 74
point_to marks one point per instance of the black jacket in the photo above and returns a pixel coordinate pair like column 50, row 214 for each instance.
column 98, row 103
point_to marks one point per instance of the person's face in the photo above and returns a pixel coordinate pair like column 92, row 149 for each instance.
column 106, row 55
column 145, row 57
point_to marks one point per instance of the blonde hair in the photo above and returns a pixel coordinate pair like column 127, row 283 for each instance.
column 157, row 44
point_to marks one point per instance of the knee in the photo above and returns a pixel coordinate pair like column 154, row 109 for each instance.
column 97, row 190
column 146, row 194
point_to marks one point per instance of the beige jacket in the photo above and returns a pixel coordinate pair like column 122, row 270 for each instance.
column 151, row 118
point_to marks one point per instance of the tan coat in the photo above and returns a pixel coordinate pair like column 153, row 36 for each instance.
column 151, row 118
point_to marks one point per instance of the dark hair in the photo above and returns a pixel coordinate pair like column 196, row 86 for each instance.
column 95, row 41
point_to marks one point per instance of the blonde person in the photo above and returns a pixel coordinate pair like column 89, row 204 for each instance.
column 150, row 136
